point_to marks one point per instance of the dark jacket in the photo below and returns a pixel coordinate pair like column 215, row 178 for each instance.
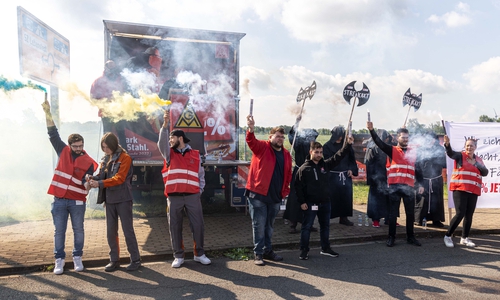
column 302, row 143
column 115, row 182
column 331, row 147
column 311, row 181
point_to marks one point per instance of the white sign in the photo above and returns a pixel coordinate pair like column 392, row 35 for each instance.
column 488, row 148
column 43, row 53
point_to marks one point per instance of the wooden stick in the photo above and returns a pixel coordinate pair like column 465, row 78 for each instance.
column 297, row 129
column 404, row 125
column 350, row 119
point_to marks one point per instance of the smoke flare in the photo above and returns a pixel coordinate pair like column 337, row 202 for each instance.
column 12, row 85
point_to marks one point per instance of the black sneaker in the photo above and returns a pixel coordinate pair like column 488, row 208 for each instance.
column 413, row 241
column 390, row 241
column 135, row 265
column 258, row 260
column 329, row 252
column 304, row 255
column 271, row 255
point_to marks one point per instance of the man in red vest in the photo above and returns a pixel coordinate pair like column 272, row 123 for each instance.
column 184, row 179
column 401, row 182
column 69, row 188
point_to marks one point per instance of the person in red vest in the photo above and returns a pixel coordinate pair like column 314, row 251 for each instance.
column 401, row 182
column 267, row 186
column 466, row 183
column 184, row 179
column 69, row 188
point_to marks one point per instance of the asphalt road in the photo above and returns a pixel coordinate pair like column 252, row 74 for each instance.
column 362, row 271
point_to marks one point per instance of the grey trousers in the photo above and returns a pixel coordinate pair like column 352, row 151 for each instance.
column 124, row 211
column 192, row 205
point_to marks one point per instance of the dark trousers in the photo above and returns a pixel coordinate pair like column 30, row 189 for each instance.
column 396, row 193
column 465, row 205
column 323, row 213
column 122, row 210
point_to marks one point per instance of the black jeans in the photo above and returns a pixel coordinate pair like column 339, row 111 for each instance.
column 323, row 214
column 407, row 193
column 465, row 205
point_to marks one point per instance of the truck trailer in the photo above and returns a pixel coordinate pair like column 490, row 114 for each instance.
column 198, row 71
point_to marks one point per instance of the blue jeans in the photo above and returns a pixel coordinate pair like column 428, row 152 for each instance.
column 61, row 209
column 263, row 215
column 323, row 213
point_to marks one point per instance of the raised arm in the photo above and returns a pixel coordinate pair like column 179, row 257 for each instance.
column 386, row 148
column 163, row 144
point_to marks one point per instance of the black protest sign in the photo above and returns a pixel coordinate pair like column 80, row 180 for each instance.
column 363, row 95
column 308, row 92
column 412, row 100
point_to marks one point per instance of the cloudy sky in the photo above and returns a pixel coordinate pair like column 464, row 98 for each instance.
column 446, row 50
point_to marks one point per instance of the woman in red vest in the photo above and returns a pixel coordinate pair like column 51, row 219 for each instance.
column 466, row 186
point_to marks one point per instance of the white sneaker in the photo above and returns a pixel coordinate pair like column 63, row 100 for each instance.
column 177, row 262
column 203, row 259
column 448, row 241
column 77, row 262
column 467, row 242
column 59, row 266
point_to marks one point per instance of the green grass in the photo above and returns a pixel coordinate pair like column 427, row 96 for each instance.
column 239, row 254
column 360, row 193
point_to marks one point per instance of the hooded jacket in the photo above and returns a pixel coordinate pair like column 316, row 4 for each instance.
column 302, row 143
column 331, row 147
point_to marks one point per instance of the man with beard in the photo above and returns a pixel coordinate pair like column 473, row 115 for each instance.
column 340, row 177
column 69, row 188
column 401, row 182
column 267, row 186
column 184, row 179
column 431, row 159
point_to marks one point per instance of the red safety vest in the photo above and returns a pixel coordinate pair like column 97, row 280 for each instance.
column 401, row 170
column 67, row 180
column 181, row 176
column 466, row 178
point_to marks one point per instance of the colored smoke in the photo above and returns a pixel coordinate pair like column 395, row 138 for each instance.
column 12, row 85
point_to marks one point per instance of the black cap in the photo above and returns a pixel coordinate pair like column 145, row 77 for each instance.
column 179, row 133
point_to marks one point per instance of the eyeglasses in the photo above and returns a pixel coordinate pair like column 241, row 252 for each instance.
column 77, row 146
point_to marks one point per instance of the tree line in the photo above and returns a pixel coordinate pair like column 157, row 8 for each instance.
column 412, row 125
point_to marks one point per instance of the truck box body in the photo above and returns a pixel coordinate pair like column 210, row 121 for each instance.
column 204, row 105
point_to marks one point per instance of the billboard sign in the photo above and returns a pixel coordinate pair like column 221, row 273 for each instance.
column 44, row 54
